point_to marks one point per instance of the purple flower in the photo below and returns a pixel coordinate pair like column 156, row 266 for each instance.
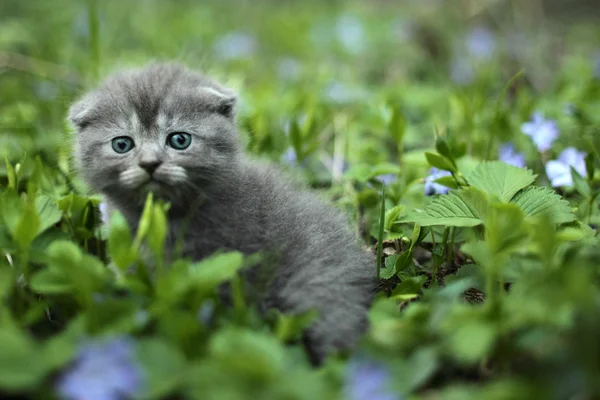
column 432, row 187
column 104, row 370
column 543, row 131
column 559, row 171
column 235, row 45
column 481, row 43
column 368, row 380
column 508, row 154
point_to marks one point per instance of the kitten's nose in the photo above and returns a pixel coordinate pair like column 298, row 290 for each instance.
column 149, row 165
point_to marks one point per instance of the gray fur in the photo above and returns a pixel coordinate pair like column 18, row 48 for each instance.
column 227, row 200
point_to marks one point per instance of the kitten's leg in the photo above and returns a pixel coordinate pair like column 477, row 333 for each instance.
column 342, row 305
column 338, row 329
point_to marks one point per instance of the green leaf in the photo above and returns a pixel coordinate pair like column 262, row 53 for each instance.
column 472, row 339
column 159, row 230
column 212, row 271
column 458, row 208
column 296, row 139
column 10, row 173
column 49, row 281
column 500, row 179
column 403, row 261
column 58, row 351
column 28, row 226
column 389, row 270
column 581, row 185
column 164, row 365
column 541, row 200
column 419, row 234
column 412, row 285
column 120, row 247
column 112, row 316
column 48, row 211
column 397, row 126
column 384, row 169
column 413, row 372
column 439, row 161
column 39, row 246
column 359, row 172
column 7, row 281
column 368, row 198
column 469, row 271
column 11, row 209
column 22, row 365
column 69, row 268
column 253, row 355
column 504, row 227
column 589, row 165
column 391, row 215
column 442, row 147
column 447, row 181
column 290, row 326
column 145, row 221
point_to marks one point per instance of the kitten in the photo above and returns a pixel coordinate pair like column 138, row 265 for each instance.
column 166, row 129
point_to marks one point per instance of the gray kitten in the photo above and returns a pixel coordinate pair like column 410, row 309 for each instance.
column 169, row 130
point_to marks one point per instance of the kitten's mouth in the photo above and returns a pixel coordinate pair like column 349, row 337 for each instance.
column 153, row 185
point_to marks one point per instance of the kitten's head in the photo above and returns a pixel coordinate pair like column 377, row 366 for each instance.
column 162, row 128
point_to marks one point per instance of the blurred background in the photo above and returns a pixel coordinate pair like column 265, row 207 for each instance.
column 342, row 62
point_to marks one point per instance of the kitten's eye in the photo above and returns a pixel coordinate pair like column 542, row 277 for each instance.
column 122, row 144
column 179, row 140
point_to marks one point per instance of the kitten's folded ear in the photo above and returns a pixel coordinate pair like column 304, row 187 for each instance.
column 79, row 114
column 222, row 100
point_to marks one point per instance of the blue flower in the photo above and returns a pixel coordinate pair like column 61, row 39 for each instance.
column 386, row 179
column 289, row 69
column 508, row 154
column 543, row 131
column 481, row 43
column 559, row 171
column 432, row 187
column 103, row 370
column 235, row 45
column 461, row 70
column 340, row 93
column 351, row 33
column 206, row 312
column 569, row 109
column 597, row 65
column 103, row 207
column 289, row 156
column 368, row 380
column 402, row 30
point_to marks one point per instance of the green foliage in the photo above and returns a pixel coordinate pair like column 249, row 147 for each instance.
column 487, row 292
